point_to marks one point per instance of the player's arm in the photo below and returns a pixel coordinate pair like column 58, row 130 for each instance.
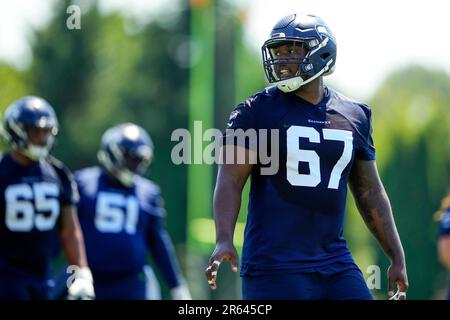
column 71, row 237
column 68, row 226
column 72, row 243
column 231, row 179
column 444, row 250
column 374, row 206
column 164, row 256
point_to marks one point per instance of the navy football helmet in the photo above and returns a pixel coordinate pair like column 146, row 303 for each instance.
column 24, row 114
column 300, row 48
column 126, row 150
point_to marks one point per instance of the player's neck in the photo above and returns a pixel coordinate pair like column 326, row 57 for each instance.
column 312, row 92
column 21, row 159
column 115, row 182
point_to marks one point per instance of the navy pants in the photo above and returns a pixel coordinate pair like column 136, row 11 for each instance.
column 129, row 287
column 134, row 286
column 20, row 287
column 348, row 284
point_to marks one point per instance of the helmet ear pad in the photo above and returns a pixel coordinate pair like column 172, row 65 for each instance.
column 321, row 59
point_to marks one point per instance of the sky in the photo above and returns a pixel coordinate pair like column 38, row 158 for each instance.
column 374, row 37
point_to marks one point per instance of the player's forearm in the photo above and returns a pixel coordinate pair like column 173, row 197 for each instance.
column 444, row 251
column 445, row 261
column 227, row 202
column 72, row 240
column 73, row 247
column 374, row 206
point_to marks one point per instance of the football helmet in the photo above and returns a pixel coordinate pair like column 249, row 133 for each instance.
column 300, row 48
column 126, row 150
column 24, row 114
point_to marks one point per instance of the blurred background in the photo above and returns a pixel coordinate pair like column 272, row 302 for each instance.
column 165, row 64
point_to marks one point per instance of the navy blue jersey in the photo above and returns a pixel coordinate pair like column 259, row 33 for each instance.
column 444, row 223
column 121, row 225
column 296, row 216
column 30, row 205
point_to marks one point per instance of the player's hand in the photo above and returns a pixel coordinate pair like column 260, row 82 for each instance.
column 397, row 277
column 82, row 287
column 223, row 252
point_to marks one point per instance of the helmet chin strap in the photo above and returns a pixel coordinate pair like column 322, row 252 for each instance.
column 294, row 83
column 126, row 177
column 33, row 152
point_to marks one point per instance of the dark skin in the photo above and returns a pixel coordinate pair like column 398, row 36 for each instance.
column 444, row 251
column 69, row 229
column 365, row 183
column 313, row 91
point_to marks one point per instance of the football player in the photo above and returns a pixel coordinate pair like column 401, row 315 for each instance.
column 38, row 198
column 122, row 218
column 293, row 244
column 444, row 235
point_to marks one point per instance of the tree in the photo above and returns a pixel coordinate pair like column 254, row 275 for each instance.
column 13, row 87
column 412, row 126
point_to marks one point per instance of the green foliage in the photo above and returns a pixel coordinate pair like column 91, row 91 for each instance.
column 411, row 131
column 13, row 87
